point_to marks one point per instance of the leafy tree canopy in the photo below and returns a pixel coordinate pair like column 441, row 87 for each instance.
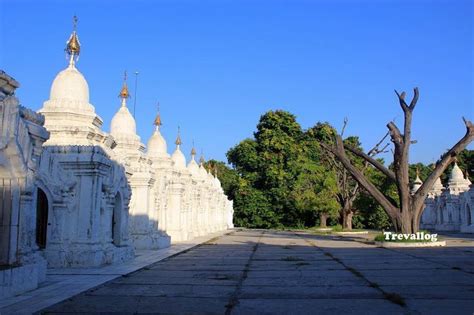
column 283, row 177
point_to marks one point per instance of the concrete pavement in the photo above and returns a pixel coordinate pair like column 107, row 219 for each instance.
column 275, row 272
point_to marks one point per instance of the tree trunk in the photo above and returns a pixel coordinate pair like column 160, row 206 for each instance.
column 347, row 219
column 323, row 217
column 408, row 220
column 405, row 215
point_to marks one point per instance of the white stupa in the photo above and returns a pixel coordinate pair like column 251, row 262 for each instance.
column 202, row 169
column 466, row 179
column 457, row 182
column 193, row 167
column 69, row 116
column 417, row 183
column 123, row 127
column 179, row 161
column 437, row 187
column 217, row 182
column 157, row 147
column 210, row 178
column 123, row 124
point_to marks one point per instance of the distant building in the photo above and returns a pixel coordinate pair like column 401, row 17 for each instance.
column 450, row 208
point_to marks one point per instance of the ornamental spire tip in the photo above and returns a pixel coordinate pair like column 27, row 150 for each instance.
column 124, row 94
column 73, row 46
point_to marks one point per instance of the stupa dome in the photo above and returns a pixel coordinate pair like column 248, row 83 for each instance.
column 157, row 145
column 70, row 85
column 193, row 167
column 456, row 177
column 178, row 158
column 417, row 183
column 438, row 186
column 123, row 123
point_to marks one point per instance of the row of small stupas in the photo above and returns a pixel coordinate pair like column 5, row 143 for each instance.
column 449, row 208
column 75, row 196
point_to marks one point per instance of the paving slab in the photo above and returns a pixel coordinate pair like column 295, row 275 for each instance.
column 284, row 272
column 164, row 290
column 441, row 306
column 65, row 283
column 310, row 292
column 446, row 292
column 317, row 306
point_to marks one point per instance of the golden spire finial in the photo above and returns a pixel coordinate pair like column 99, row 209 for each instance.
column 215, row 169
column 157, row 121
column 417, row 172
column 193, row 151
column 73, row 46
column 124, row 91
column 178, row 138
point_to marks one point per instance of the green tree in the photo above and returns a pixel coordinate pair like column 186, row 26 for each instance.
column 252, row 208
column 245, row 159
column 315, row 193
column 268, row 164
column 278, row 135
column 348, row 189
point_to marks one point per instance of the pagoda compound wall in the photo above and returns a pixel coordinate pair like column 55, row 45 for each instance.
column 450, row 210
column 80, row 204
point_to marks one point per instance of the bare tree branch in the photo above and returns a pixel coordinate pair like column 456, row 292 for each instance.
column 344, row 126
column 340, row 153
column 375, row 148
column 372, row 161
column 401, row 99
column 414, row 100
column 395, row 133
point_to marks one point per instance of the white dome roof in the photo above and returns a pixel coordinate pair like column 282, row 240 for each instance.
column 217, row 182
column 416, row 184
column 210, row 178
column 193, row 167
column 178, row 158
column 157, row 145
column 456, row 176
column 71, row 85
column 123, row 123
column 438, row 186
column 203, row 172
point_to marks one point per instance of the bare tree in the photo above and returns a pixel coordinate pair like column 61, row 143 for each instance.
column 348, row 187
column 406, row 214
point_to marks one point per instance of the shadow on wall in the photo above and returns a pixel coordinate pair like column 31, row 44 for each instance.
column 145, row 233
column 10, row 214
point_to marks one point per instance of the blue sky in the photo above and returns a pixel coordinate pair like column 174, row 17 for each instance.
column 216, row 66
